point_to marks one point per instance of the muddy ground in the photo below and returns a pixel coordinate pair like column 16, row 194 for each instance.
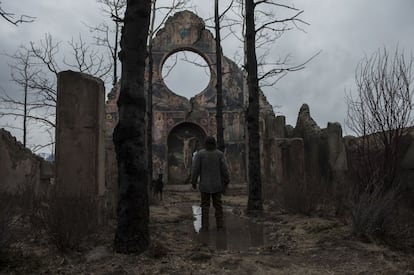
column 274, row 242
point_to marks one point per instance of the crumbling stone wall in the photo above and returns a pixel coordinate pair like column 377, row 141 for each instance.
column 319, row 160
column 21, row 169
column 307, row 156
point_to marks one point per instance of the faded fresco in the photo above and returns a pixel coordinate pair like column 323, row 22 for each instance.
column 183, row 142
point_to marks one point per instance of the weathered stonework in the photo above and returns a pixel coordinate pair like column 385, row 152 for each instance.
column 21, row 169
column 305, row 156
column 80, row 160
column 181, row 125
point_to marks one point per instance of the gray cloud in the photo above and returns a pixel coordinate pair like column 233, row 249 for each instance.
column 345, row 31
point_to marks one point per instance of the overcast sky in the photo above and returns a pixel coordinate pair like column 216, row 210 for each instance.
column 343, row 30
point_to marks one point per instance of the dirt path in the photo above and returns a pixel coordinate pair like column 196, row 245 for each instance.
column 290, row 244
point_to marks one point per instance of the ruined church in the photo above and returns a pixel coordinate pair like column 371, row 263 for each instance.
column 180, row 125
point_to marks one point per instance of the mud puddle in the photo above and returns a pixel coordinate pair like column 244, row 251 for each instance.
column 238, row 233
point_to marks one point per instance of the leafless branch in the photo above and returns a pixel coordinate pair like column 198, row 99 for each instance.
column 269, row 2
column 226, row 10
column 285, row 69
column 169, row 67
column 175, row 6
column 47, row 52
column 87, row 60
column 381, row 110
column 10, row 17
column 292, row 19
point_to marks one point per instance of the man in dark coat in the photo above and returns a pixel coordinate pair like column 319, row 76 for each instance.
column 210, row 165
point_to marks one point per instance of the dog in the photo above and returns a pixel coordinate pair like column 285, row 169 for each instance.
column 158, row 186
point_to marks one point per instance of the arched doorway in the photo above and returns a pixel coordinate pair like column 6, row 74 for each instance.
column 183, row 140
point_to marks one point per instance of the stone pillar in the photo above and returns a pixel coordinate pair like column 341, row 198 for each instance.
column 80, row 156
column 336, row 148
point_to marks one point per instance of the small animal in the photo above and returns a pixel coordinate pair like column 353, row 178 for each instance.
column 158, row 186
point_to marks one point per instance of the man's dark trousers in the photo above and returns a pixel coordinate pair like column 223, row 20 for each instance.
column 205, row 207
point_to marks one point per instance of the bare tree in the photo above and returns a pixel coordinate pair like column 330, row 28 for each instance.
column 149, row 91
column 87, row 60
column 272, row 21
column 108, row 36
column 132, row 233
column 153, row 29
column 35, row 70
column 10, row 17
column 261, row 31
column 379, row 114
column 219, row 84
column 253, row 111
column 21, row 105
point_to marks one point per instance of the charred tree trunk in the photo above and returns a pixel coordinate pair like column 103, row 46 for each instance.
column 219, row 85
column 253, row 112
column 132, row 234
column 149, row 95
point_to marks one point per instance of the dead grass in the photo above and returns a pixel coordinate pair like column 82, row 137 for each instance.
column 297, row 244
column 299, row 198
column 380, row 217
column 8, row 220
column 69, row 221
column 371, row 213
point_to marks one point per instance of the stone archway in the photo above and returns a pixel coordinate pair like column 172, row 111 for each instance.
column 183, row 140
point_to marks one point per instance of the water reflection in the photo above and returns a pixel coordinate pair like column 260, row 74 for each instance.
column 238, row 234
column 197, row 217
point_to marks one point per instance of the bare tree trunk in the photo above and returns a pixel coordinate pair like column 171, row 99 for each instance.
column 112, row 9
column 149, row 94
column 132, row 234
column 25, row 109
column 115, row 55
column 253, row 111
column 219, row 84
column 23, row 73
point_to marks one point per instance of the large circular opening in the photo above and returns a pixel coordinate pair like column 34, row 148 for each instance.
column 186, row 73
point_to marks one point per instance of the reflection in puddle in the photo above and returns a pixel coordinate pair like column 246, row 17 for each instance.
column 197, row 217
column 238, row 234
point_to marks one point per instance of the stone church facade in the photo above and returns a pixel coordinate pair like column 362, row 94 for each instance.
column 180, row 125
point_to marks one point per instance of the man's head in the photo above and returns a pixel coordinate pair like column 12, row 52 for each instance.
column 210, row 143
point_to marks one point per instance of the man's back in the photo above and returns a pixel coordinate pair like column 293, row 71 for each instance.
column 211, row 166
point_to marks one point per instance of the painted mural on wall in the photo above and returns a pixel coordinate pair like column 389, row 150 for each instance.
column 183, row 142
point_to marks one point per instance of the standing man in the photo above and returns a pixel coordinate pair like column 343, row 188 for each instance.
column 210, row 165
